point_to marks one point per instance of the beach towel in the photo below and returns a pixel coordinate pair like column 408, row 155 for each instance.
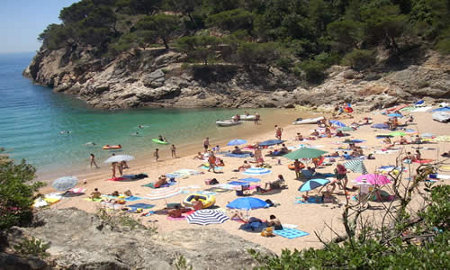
column 310, row 200
column 132, row 198
column 152, row 185
column 290, row 233
column 423, row 161
column 135, row 176
column 93, row 200
column 238, row 155
column 217, row 190
column 116, row 179
column 176, row 218
column 141, row 205
column 215, row 168
column 238, row 183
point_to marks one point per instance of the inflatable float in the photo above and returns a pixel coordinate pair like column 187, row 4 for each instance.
column 110, row 147
column 207, row 200
column 307, row 121
column 292, row 167
column 249, row 117
column 227, row 123
column 159, row 141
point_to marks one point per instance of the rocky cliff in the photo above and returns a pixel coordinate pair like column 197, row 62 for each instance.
column 84, row 241
column 158, row 78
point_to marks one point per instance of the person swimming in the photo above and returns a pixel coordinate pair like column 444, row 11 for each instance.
column 65, row 132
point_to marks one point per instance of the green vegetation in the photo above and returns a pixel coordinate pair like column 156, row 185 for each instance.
column 33, row 247
column 16, row 192
column 257, row 32
column 407, row 238
column 121, row 219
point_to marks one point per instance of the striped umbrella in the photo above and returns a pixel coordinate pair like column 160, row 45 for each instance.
column 312, row 184
column 373, row 179
column 356, row 165
column 65, row 183
column 257, row 171
column 163, row 193
column 206, row 217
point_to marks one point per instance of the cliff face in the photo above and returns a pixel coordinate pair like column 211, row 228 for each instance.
column 157, row 78
column 79, row 240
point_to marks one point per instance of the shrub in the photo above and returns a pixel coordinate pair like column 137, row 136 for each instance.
column 313, row 71
column 359, row 59
column 16, row 194
column 33, row 247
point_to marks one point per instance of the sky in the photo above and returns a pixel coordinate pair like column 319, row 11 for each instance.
column 21, row 22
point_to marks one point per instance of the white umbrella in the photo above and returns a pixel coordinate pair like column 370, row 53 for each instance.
column 119, row 158
column 206, row 217
column 65, row 183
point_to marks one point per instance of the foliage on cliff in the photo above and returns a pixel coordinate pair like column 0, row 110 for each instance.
column 16, row 194
column 304, row 36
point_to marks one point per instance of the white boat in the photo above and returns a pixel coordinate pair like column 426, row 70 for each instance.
column 441, row 116
column 227, row 123
column 307, row 120
column 247, row 117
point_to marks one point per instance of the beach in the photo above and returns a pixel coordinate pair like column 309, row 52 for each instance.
column 311, row 218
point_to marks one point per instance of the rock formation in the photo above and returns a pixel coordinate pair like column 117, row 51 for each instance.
column 157, row 78
column 84, row 241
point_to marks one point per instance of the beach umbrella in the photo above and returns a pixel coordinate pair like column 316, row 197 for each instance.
column 356, row 165
column 305, row 153
column 380, row 126
column 119, row 158
column 257, row 171
column 443, row 109
column 343, row 129
column 65, row 183
column 163, row 193
column 236, row 142
column 206, row 217
column 247, row 203
column 312, row 184
column 250, row 179
column 373, row 179
column 270, row 142
column 337, row 123
column 397, row 133
column 395, row 115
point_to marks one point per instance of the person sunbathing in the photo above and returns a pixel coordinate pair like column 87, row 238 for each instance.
column 236, row 150
column 274, row 222
column 339, row 133
column 402, row 140
column 175, row 213
column 315, row 133
column 299, row 137
column 284, row 149
column 115, row 194
column 161, row 181
column 418, row 155
column 128, row 193
column 199, row 156
column 197, row 204
column 96, row 194
column 244, row 166
column 238, row 215
column 274, row 184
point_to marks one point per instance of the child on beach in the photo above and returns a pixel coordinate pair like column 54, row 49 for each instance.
column 173, row 150
column 156, row 154
column 96, row 194
column 278, row 132
column 206, row 144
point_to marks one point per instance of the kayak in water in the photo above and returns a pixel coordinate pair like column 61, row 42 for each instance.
column 159, row 141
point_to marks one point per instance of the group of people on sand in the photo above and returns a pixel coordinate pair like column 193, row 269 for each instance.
column 118, row 166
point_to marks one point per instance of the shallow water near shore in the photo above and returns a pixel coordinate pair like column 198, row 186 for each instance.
column 52, row 131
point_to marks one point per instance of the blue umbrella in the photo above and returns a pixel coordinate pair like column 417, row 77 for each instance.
column 353, row 141
column 395, row 115
column 443, row 109
column 236, row 142
column 380, row 126
column 270, row 142
column 337, row 123
column 247, row 203
column 65, row 183
column 312, row 184
column 250, row 179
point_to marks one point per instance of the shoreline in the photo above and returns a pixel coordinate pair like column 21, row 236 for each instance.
column 310, row 218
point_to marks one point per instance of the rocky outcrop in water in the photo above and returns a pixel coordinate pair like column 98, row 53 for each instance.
column 157, row 78
column 84, row 241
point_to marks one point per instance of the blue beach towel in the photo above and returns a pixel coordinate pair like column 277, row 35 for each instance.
column 290, row 233
column 132, row 198
column 141, row 205
column 238, row 155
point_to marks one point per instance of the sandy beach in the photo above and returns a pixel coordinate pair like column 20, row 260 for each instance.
column 310, row 218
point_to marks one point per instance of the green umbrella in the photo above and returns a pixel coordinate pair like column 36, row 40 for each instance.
column 345, row 129
column 397, row 133
column 305, row 153
column 356, row 166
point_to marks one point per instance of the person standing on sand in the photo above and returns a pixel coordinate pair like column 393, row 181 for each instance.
column 206, row 144
column 156, row 154
column 92, row 159
column 298, row 168
column 257, row 118
column 212, row 162
column 278, row 132
column 173, row 150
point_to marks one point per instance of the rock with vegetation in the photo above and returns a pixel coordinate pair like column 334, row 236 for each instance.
column 133, row 53
column 79, row 240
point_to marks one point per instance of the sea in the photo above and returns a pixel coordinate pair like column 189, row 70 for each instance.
column 56, row 132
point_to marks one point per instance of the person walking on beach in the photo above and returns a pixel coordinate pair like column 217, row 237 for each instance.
column 278, row 132
column 156, row 154
column 212, row 162
column 92, row 159
column 206, row 144
column 173, row 150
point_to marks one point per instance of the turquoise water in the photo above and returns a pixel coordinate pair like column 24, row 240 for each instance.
column 32, row 117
